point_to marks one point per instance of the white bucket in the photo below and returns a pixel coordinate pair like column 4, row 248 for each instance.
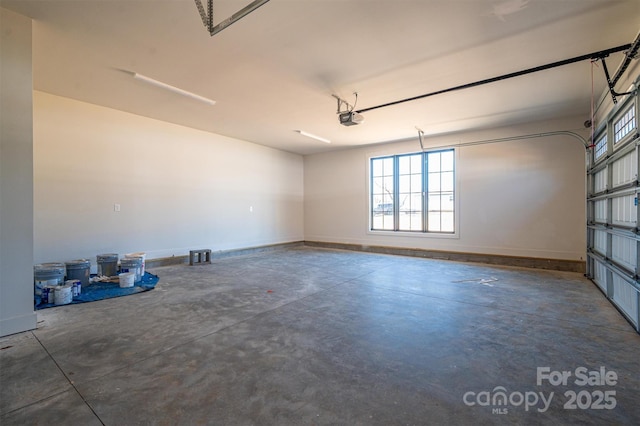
column 76, row 287
column 132, row 264
column 141, row 255
column 127, row 279
column 63, row 294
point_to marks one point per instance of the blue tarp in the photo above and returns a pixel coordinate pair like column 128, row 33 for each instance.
column 99, row 291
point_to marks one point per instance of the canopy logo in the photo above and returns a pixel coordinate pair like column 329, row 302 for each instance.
column 594, row 397
column 499, row 399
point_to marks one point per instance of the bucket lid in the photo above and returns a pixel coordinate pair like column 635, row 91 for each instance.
column 131, row 261
column 48, row 266
column 49, row 273
column 78, row 264
column 107, row 257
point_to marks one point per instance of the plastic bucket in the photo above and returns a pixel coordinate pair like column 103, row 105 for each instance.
column 127, row 279
column 132, row 264
column 79, row 270
column 141, row 255
column 49, row 265
column 76, row 287
column 63, row 294
column 107, row 264
column 47, row 274
column 48, row 294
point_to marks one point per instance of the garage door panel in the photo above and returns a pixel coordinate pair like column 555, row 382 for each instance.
column 624, row 211
column 624, row 251
column 624, row 170
column 625, row 296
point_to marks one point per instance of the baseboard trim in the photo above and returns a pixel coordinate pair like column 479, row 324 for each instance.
column 179, row 260
column 165, row 261
column 493, row 259
column 18, row 324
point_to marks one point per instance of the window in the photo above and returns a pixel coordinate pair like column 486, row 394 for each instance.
column 600, row 148
column 625, row 124
column 413, row 192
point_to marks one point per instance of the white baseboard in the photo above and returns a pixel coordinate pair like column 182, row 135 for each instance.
column 17, row 324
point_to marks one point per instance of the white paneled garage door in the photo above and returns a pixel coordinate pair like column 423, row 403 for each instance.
column 612, row 210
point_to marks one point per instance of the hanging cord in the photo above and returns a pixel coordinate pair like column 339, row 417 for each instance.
column 354, row 103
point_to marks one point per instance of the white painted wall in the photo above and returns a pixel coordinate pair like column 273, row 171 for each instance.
column 16, row 175
column 178, row 188
column 522, row 198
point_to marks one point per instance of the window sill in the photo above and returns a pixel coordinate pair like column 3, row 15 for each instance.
column 416, row 234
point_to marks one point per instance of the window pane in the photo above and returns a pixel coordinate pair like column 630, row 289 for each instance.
column 447, row 222
column 378, row 187
column 447, row 161
column 404, row 165
column 434, row 221
column 405, row 203
column 601, row 147
column 416, row 202
column 447, row 181
column 434, row 202
column 446, row 202
column 434, row 182
column 416, row 222
column 433, row 162
column 388, row 185
column 416, row 163
column 388, row 166
column 387, row 222
column 376, row 167
column 416, row 183
column 624, row 124
column 405, row 183
column 404, row 222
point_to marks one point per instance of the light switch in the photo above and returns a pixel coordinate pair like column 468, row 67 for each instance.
column 116, row 207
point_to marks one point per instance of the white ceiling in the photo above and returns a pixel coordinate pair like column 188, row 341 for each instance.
column 274, row 71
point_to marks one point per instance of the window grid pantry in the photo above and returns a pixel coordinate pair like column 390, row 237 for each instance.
column 601, row 147
column 413, row 192
column 625, row 124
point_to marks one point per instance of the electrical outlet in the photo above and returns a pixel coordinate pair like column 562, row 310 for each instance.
column 116, row 207
column 250, row 209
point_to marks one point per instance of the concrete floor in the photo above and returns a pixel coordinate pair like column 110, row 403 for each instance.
column 308, row 336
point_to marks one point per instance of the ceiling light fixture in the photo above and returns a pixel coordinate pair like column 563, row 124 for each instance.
column 312, row 136
column 173, row 89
